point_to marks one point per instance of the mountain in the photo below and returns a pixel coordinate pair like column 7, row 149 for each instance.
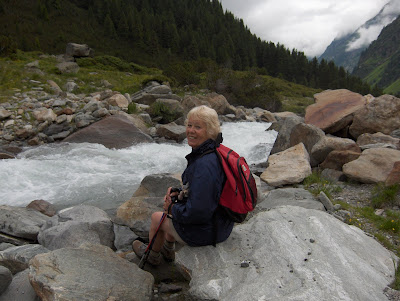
column 379, row 64
column 345, row 51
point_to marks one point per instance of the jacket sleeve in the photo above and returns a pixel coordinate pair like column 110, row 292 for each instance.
column 205, row 189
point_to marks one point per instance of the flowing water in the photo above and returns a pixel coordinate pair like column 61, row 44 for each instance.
column 71, row 174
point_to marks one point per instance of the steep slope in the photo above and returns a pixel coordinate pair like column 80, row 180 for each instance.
column 346, row 51
column 380, row 63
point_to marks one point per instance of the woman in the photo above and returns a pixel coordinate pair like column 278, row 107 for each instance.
column 196, row 221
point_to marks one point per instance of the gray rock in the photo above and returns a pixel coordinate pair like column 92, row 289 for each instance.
column 20, row 289
column 284, row 127
column 21, row 222
column 115, row 131
column 68, row 67
column 5, row 278
column 78, row 50
column 172, row 131
column 290, row 196
column 16, row 259
column 77, row 225
column 294, row 254
column 90, row 273
column 124, row 238
column 325, row 201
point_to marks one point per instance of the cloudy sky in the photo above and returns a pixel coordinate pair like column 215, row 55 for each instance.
column 307, row 25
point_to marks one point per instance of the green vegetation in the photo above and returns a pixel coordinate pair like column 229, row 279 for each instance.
column 315, row 183
column 164, row 112
column 384, row 195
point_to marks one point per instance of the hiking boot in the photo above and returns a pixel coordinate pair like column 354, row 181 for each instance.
column 168, row 252
column 139, row 248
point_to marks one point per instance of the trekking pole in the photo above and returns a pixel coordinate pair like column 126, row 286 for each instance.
column 145, row 256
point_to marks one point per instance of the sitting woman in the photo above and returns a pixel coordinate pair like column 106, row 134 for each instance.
column 196, row 220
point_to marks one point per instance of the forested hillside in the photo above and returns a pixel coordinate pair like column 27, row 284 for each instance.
column 380, row 63
column 163, row 34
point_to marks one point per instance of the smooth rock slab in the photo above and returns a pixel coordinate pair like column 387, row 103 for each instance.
column 294, row 254
column 90, row 273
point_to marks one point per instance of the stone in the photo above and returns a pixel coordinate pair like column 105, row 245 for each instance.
column 294, row 254
column 172, row 131
column 4, row 114
column 337, row 158
column 78, row 50
column 92, row 273
column 5, row 279
column 379, row 137
column 16, row 259
column 394, row 175
column 307, row 134
column 124, row 238
column 114, row 131
column 287, row 167
column 21, row 222
column 324, row 146
column 20, row 289
column 284, row 127
column 44, row 114
column 334, row 109
column 289, row 196
column 75, row 226
column 118, row 100
column 380, row 115
column 373, row 166
column 323, row 198
column 43, row 207
column 68, row 67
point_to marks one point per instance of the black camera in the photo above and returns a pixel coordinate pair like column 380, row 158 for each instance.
column 179, row 198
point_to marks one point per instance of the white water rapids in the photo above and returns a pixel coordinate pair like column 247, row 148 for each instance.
column 71, row 174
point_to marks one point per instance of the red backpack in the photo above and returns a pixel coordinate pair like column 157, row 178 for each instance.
column 239, row 195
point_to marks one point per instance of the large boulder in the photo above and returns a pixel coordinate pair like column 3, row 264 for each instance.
column 378, row 138
column 373, row 166
column 334, row 109
column 327, row 144
column 148, row 198
column 380, row 115
column 337, row 158
column 5, row 279
column 75, row 226
column 290, row 196
column 309, row 135
column 16, row 259
column 91, row 273
column 172, row 131
column 394, row 175
column 78, row 50
column 291, row 253
column 287, row 167
column 21, row 222
column 114, row 131
column 284, row 127
column 20, row 289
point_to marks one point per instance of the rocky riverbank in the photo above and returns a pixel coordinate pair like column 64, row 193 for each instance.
column 296, row 245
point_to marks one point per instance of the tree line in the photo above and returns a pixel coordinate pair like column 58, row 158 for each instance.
column 163, row 31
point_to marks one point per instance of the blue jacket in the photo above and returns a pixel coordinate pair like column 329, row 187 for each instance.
column 194, row 220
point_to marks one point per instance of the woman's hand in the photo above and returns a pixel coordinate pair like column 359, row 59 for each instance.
column 168, row 200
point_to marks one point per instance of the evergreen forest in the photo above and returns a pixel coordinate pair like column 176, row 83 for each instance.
column 184, row 38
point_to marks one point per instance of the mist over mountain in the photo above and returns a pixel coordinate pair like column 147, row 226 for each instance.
column 345, row 51
column 379, row 64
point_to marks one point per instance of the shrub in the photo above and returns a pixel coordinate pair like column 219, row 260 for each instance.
column 132, row 108
column 158, row 109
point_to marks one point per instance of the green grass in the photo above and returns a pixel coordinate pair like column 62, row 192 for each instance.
column 315, row 183
column 14, row 76
column 393, row 89
column 384, row 195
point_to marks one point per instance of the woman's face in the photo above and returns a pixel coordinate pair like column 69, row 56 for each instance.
column 196, row 132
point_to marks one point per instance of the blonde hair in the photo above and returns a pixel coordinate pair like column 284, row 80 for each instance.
column 209, row 116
